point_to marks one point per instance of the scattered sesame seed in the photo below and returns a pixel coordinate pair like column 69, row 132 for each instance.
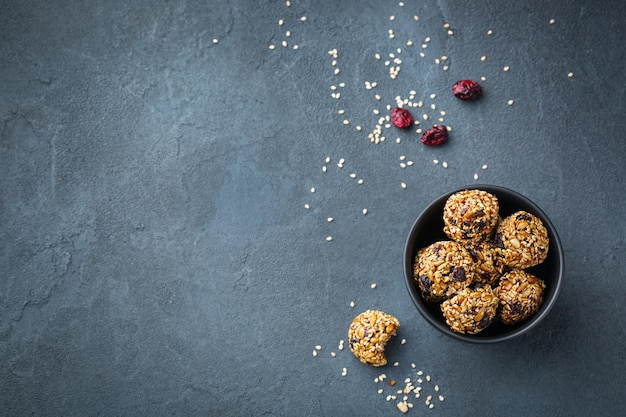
column 441, row 398
column 396, row 363
column 352, row 304
column 284, row 43
column 346, row 122
column 330, row 219
column 327, row 159
column 216, row 40
column 337, row 71
column 312, row 189
column 484, row 166
column 340, row 347
column 490, row 32
column 392, row 18
column 333, row 354
column 380, row 390
column 431, row 406
column 483, row 78
column 373, row 286
column 570, row 74
column 344, row 372
column 318, row 347
column 510, row 102
column 288, row 33
column 403, row 185
column 364, row 211
column 409, row 163
column 272, row 46
column 446, row 25
column 329, row 239
column 315, row 353
column 324, row 168
column 475, row 176
column 281, row 22
column 296, row 47
column 360, row 181
column 435, row 161
column 444, row 164
column 450, row 33
column 483, row 58
column 306, row 206
column 437, row 388
column 288, row 3
column 303, row 19
column 552, row 21
column 403, row 341
column 401, row 4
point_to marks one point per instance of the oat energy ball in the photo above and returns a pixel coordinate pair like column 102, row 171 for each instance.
column 470, row 310
column 368, row 335
column 520, row 294
column 442, row 269
column 470, row 216
column 489, row 263
column 522, row 239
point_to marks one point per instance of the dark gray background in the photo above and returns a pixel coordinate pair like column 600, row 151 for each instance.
column 156, row 257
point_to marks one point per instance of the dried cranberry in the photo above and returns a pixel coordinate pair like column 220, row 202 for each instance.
column 467, row 90
column 435, row 136
column 401, row 118
column 458, row 274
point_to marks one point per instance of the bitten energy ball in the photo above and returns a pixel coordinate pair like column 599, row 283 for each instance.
column 522, row 239
column 470, row 310
column 470, row 216
column 368, row 335
column 442, row 269
column 520, row 294
column 489, row 263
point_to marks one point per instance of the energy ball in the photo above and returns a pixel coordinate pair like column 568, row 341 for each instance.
column 522, row 239
column 470, row 310
column 489, row 263
column 470, row 216
column 442, row 269
column 520, row 294
column 368, row 335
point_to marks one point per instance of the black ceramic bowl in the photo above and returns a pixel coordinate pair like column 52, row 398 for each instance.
column 428, row 228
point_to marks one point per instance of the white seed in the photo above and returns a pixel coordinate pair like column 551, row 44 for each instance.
column 420, row 372
column 296, row 47
column 392, row 18
column 484, row 166
column 570, row 74
column 364, row 211
column 436, row 388
column 315, row 353
column 483, row 58
column 324, row 168
column 303, row 19
column 284, row 43
column 435, row 161
column 441, row 398
column 373, row 286
column 329, row 238
column 396, row 363
column 346, row 122
column 431, row 406
column 360, row 181
column 506, row 69
column 306, row 206
column 333, row 354
column 344, row 372
column 216, row 40
column 330, row 219
column 510, row 102
column 288, row 33
column 318, row 347
column 444, row 164
column 413, row 365
column 409, row 163
column 403, row 185
column 428, row 378
column 475, row 176
column 352, row 304
column 490, row 32
column 312, row 189
column 272, row 46
column 552, row 21
column 337, row 71
column 403, row 341
column 416, row 18
column 281, row 22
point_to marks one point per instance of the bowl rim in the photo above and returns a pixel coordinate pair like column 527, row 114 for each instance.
column 419, row 302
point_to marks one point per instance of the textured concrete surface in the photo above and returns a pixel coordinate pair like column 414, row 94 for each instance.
column 156, row 257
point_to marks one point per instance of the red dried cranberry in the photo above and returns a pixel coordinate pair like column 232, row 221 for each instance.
column 467, row 90
column 435, row 136
column 401, row 118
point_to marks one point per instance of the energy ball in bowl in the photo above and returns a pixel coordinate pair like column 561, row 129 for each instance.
column 522, row 239
column 442, row 269
column 489, row 263
column 470, row 310
column 368, row 335
column 520, row 294
column 470, row 216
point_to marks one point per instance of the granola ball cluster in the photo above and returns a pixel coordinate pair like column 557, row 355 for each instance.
column 479, row 276
column 368, row 335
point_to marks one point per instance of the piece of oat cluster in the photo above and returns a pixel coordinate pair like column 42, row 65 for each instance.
column 522, row 239
column 520, row 294
column 368, row 335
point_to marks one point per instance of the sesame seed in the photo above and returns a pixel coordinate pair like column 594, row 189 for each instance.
column 337, row 71
column 506, row 69
column 303, row 19
column 318, row 347
column 510, row 102
column 450, row 33
column 437, row 388
column 324, row 168
column 396, row 363
column 552, row 21
column 444, row 164
column 403, row 185
column 333, row 354
column 483, row 58
column 392, row 18
column 446, row 25
column 364, row 211
column 327, row 159
column 346, row 122
column 420, row 372
column 340, row 347
column 483, row 78
column 403, row 341
column 315, row 353
column 329, row 239
column 272, row 46
column 570, row 74
column 360, row 181
column 413, row 365
column 475, row 176
column 216, row 40
column 358, row 128
column 340, row 111
column 288, row 3
column 409, row 43
column 284, row 43
column 380, row 391
column 330, row 219
column 288, row 33
column 342, row 161
column 352, row 304
column 490, row 32
column 435, row 161
column 344, row 372
column 484, row 166
column 296, row 47
column 441, row 398
column 306, row 206
column 401, row 4
column 416, row 18
column 409, row 163
column 373, row 286
column 312, row 189
column 431, row 406
column 281, row 22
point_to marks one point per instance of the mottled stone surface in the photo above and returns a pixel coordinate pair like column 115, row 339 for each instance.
column 156, row 257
